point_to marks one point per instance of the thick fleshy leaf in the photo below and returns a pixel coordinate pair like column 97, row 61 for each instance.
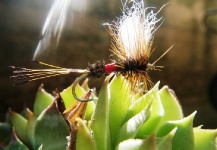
column 84, row 138
column 205, row 139
column 131, row 127
column 5, row 133
column 141, row 103
column 150, row 143
column 19, row 123
column 131, row 144
column 172, row 111
column 90, row 109
column 165, row 129
column 184, row 136
column 165, row 143
column 138, row 144
column 30, row 128
column 155, row 117
column 16, row 144
column 120, row 101
column 101, row 131
column 42, row 101
column 51, row 129
column 171, row 106
column 40, row 148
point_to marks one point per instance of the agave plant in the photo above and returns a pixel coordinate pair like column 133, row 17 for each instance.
column 118, row 120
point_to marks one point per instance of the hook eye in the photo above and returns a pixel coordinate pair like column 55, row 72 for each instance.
column 82, row 77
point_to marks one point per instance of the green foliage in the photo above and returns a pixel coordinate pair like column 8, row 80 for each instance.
column 118, row 120
column 153, row 121
column 5, row 132
column 44, row 127
column 43, row 100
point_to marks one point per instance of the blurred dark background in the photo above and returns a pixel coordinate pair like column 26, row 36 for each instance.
column 190, row 67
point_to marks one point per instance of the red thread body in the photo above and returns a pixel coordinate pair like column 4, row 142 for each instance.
column 109, row 68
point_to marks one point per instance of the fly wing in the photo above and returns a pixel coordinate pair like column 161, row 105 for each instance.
column 61, row 12
column 52, row 28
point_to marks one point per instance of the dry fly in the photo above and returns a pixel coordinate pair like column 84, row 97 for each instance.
column 132, row 38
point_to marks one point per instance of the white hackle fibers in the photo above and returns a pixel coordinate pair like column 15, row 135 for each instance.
column 134, row 29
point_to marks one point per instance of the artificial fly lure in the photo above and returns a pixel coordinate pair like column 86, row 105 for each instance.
column 132, row 38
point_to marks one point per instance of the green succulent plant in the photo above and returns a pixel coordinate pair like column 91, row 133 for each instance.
column 119, row 119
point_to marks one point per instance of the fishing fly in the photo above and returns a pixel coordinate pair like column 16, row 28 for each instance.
column 131, row 42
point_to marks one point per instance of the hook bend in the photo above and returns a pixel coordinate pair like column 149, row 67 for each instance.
column 74, row 86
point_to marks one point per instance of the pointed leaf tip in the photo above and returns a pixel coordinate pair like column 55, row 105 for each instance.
column 84, row 138
column 19, row 123
column 51, row 122
column 42, row 101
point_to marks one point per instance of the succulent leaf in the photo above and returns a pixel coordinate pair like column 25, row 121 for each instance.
column 16, row 143
column 100, row 124
column 119, row 102
column 205, row 139
column 5, row 133
column 30, row 129
column 51, row 129
column 119, row 119
column 67, row 96
column 140, row 104
column 184, row 136
column 19, row 123
column 171, row 106
column 165, row 143
column 43, row 100
column 131, row 127
column 138, row 144
column 155, row 117
column 84, row 138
